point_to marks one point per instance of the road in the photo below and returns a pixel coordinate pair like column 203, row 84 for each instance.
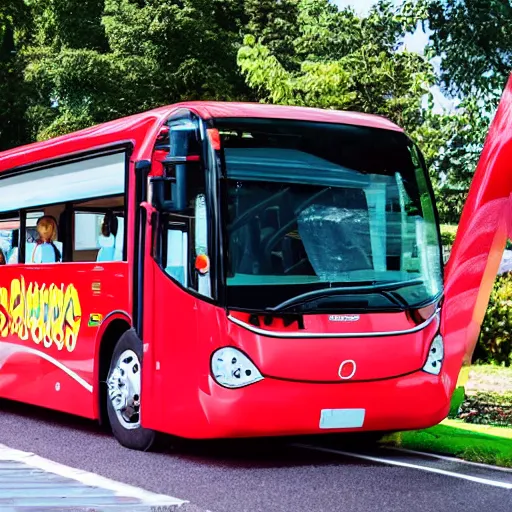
column 246, row 476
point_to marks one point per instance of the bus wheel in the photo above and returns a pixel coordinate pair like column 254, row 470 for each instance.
column 123, row 394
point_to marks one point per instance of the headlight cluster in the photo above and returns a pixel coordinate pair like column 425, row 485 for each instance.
column 233, row 369
column 435, row 356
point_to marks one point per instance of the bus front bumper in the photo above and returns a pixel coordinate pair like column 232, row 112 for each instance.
column 274, row 407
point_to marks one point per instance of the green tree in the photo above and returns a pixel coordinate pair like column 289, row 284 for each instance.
column 98, row 60
column 274, row 24
column 69, row 24
column 451, row 143
column 473, row 38
column 471, row 42
column 14, row 30
column 341, row 61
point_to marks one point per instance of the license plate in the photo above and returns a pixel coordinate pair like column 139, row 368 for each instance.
column 342, row 418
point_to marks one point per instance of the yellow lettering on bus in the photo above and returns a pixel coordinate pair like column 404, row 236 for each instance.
column 4, row 312
column 56, row 315
column 48, row 315
column 73, row 317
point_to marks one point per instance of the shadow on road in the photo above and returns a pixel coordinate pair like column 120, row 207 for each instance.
column 250, row 453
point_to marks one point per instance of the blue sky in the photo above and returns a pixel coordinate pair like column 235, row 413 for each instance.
column 413, row 42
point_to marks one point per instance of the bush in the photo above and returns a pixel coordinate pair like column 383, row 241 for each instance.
column 495, row 343
column 487, row 409
column 448, row 233
column 459, row 395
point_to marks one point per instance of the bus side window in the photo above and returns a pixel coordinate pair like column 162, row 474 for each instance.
column 9, row 239
column 176, row 264
column 201, row 242
column 46, row 248
column 185, row 237
column 97, row 236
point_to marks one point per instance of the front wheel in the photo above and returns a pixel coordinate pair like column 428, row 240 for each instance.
column 123, row 394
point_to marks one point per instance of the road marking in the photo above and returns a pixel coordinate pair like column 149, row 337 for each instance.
column 450, row 459
column 381, row 460
column 89, row 479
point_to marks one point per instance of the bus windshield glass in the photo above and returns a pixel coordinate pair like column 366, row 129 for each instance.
column 312, row 206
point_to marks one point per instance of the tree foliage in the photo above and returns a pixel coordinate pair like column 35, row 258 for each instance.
column 93, row 61
column 474, row 40
column 471, row 42
column 335, row 59
column 452, row 143
column 68, row 64
column 14, row 30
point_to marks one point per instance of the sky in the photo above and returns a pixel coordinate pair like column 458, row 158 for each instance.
column 413, row 42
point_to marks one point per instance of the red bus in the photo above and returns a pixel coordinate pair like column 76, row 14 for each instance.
column 221, row 270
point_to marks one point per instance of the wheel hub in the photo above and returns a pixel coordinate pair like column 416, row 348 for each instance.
column 124, row 389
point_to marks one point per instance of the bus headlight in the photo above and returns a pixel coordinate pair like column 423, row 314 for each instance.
column 435, row 356
column 233, row 369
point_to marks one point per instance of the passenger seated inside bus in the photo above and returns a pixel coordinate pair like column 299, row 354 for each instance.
column 107, row 238
column 2, row 257
column 46, row 250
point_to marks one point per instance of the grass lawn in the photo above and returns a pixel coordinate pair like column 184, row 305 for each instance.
column 475, row 443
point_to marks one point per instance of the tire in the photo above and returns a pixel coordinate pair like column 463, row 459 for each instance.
column 123, row 389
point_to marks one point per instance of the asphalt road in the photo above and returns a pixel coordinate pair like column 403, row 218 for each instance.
column 250, row 476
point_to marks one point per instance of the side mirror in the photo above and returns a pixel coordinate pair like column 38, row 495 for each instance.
column 181, row 140
column 169, row 193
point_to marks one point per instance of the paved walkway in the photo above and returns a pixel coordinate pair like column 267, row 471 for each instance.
column 31, row 483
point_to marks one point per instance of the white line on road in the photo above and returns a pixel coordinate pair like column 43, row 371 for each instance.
column 86, row 478
column 382, row 460
column 450, row 459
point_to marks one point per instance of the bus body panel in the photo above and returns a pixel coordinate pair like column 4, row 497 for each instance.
column 181, row 330
column 318, row 359
column 203, row 409
column 175, row 354
column 275, row 407
column 181, row 398
column 484, row 227
column 50, row 316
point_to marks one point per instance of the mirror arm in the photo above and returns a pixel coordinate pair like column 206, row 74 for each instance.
column 180, row 159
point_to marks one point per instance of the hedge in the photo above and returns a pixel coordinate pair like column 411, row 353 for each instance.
column 495, row 343
column 487, row 409
column 448, row 233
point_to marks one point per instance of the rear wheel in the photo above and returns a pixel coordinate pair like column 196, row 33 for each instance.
column 123, row 394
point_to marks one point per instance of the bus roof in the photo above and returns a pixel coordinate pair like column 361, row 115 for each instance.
column 134, row 128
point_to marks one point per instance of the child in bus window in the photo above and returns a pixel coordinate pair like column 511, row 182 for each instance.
column 2, row 257
column 45, row 250
column 107, row 238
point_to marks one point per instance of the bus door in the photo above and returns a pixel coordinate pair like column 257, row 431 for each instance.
column 173, row 233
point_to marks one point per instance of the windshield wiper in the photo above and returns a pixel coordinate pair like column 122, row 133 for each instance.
column 376, row 287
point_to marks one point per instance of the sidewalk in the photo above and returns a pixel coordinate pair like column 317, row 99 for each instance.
column 31, row 483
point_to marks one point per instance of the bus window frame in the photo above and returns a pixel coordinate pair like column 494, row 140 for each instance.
column 124, row 147
column 220, row 165
column 16, row 216
column 209, row 165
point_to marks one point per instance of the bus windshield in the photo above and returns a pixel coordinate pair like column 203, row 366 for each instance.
column 314, row 206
